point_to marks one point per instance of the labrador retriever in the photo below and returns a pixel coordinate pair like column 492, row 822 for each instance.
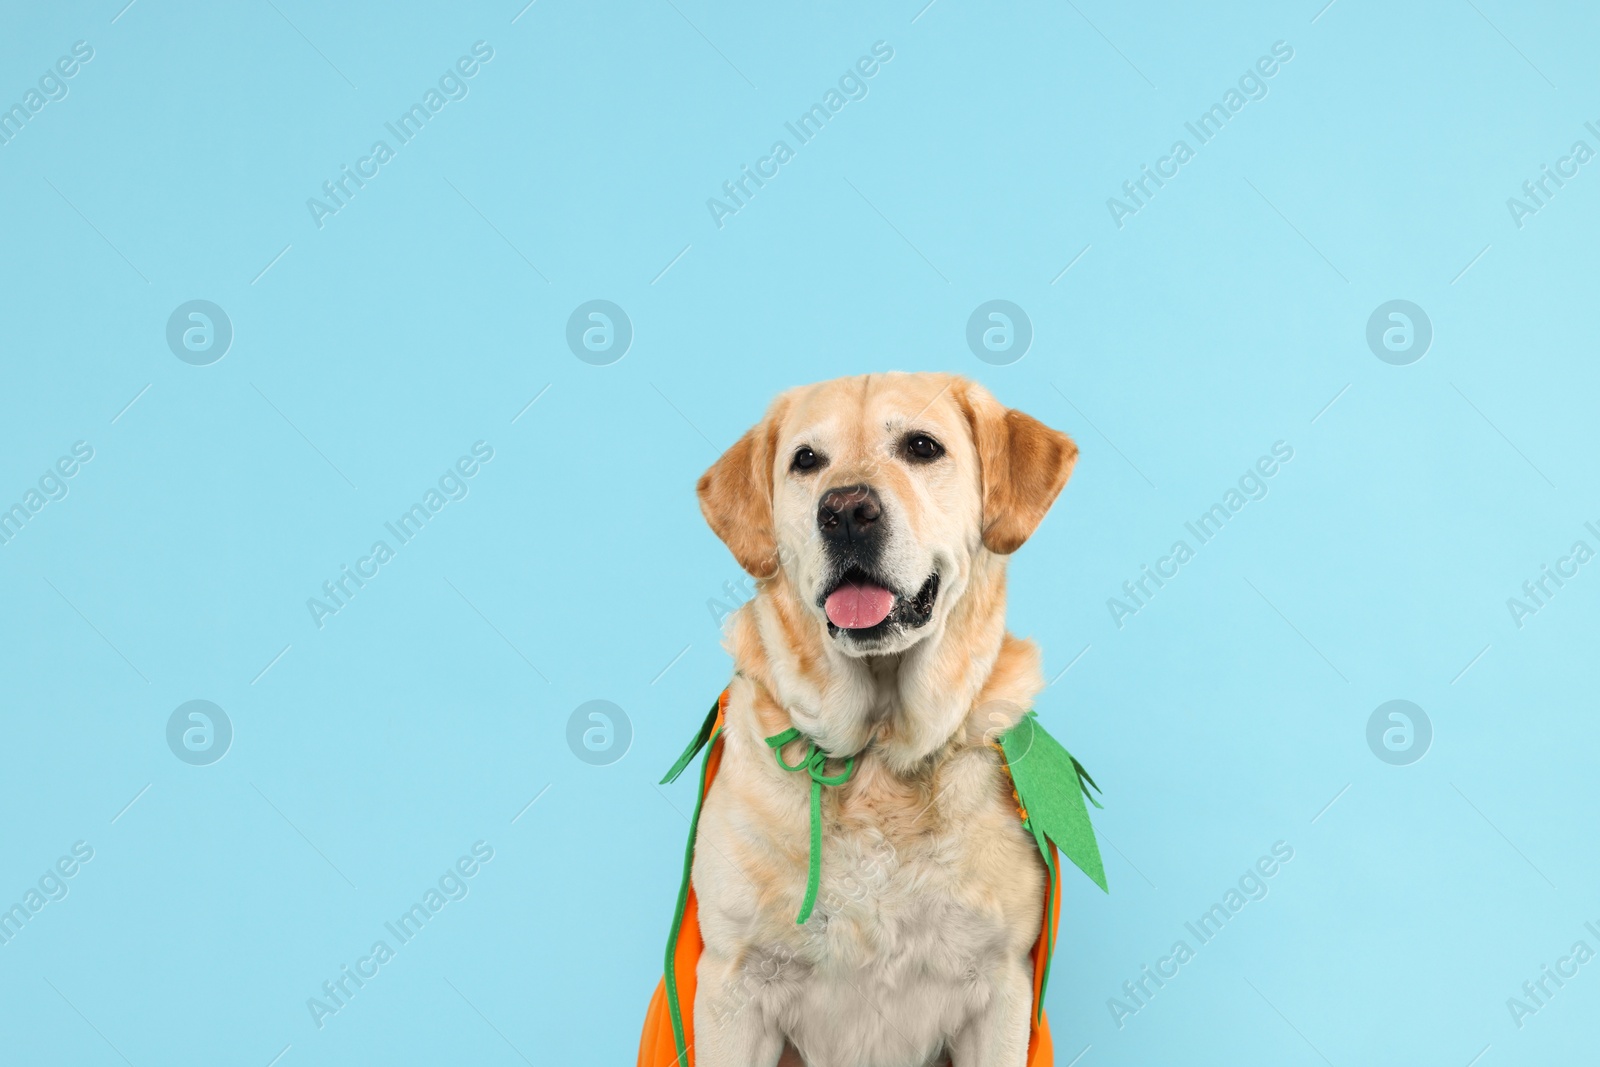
column 877, row 514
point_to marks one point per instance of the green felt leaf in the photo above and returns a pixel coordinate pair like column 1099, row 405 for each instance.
column 695, row 745
column 1083, row 776
column 1053, row 786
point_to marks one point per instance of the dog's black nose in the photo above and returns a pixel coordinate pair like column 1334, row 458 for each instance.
column 849, row 514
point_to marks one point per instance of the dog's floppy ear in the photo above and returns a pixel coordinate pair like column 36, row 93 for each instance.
column 736, row 496
column 1024, row 462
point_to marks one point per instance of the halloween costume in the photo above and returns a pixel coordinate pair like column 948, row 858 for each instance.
column 1050, row 785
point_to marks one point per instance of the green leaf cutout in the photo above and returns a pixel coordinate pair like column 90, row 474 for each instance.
column 695, row 745
column 1053, row 787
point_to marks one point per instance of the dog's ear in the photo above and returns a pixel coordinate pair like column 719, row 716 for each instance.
column 736, row 496
column 1024, row 465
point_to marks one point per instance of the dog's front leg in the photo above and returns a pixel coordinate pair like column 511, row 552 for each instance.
column 997, row 1034
column 731, row 1027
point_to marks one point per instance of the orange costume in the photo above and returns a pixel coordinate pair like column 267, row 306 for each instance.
column 1051, row 788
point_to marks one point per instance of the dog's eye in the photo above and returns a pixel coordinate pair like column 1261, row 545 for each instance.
column 922, row 448
column 804, row 459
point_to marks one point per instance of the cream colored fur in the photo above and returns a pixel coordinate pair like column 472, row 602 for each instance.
column 918, row 950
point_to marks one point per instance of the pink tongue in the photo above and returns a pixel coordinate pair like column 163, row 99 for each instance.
column 858, row 607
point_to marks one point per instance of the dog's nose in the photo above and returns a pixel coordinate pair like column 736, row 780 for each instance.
column 849, row 513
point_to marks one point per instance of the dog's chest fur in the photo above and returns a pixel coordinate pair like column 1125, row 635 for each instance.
column 929, row 887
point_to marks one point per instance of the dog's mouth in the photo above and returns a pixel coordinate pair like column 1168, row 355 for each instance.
column 862, row 606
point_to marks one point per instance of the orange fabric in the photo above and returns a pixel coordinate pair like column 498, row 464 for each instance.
column 657, row 1047
column 1041, row 1052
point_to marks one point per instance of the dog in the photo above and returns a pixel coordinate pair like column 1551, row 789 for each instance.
column 877, row 514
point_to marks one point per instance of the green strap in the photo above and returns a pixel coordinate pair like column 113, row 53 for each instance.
column 674, row 1004
column 1051, row 877
column 814, row 763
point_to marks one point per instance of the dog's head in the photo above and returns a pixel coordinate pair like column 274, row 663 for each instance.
column 875, row 496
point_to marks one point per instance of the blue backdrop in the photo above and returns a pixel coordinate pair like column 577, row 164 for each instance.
column 282, row 282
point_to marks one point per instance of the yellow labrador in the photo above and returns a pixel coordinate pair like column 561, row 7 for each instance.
column 877, row 514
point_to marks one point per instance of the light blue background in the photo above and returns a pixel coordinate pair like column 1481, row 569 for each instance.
column 1226, row 315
